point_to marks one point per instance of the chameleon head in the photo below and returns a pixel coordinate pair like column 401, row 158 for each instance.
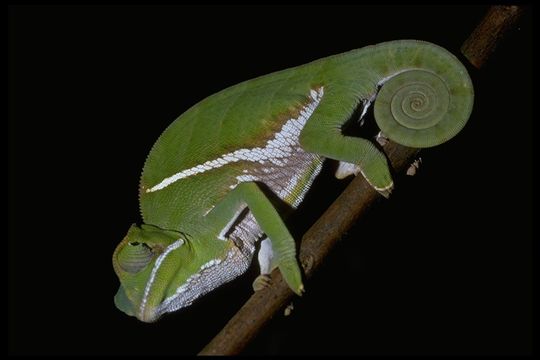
column 162, row 270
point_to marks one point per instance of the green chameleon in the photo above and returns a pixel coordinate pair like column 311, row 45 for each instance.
column 213, row 181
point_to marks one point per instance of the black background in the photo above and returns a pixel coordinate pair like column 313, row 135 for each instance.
column 444, row 267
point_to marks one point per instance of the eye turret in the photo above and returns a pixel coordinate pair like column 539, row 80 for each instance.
column 134, row 257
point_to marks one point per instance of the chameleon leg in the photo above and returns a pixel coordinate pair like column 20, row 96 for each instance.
column 322, row 135
column 283, row 245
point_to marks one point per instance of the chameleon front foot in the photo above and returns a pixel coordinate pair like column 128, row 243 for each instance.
column 261, row 282
column 381, row 139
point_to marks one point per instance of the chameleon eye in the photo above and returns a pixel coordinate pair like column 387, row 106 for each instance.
column 134, row 257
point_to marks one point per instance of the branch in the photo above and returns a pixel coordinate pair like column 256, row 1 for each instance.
column 314, row 247
column 484, row 39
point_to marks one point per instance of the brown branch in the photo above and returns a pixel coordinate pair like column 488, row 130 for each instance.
column 315, row 245
column 484, row 39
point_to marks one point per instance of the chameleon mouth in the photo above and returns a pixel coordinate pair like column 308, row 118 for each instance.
column 124, row 304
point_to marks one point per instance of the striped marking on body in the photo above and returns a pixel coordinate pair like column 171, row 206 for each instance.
column 275, row 150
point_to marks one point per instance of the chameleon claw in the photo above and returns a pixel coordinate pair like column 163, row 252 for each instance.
column 386, row 191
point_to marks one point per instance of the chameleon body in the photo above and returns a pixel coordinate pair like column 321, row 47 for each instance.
column 222, row 175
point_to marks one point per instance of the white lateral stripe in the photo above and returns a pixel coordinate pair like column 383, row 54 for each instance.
column 276, row 149
column 157, row 264
column 210, row 264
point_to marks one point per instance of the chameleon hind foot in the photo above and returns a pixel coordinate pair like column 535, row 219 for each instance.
column 261, row 282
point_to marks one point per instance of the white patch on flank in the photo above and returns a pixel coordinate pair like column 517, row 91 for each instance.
column 157, row 264
column 276, row 149
column 223, row 231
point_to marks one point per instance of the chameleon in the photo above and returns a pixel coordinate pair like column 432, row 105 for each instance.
column 220, row 180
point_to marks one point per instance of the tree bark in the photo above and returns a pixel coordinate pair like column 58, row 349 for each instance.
column 489, row 32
